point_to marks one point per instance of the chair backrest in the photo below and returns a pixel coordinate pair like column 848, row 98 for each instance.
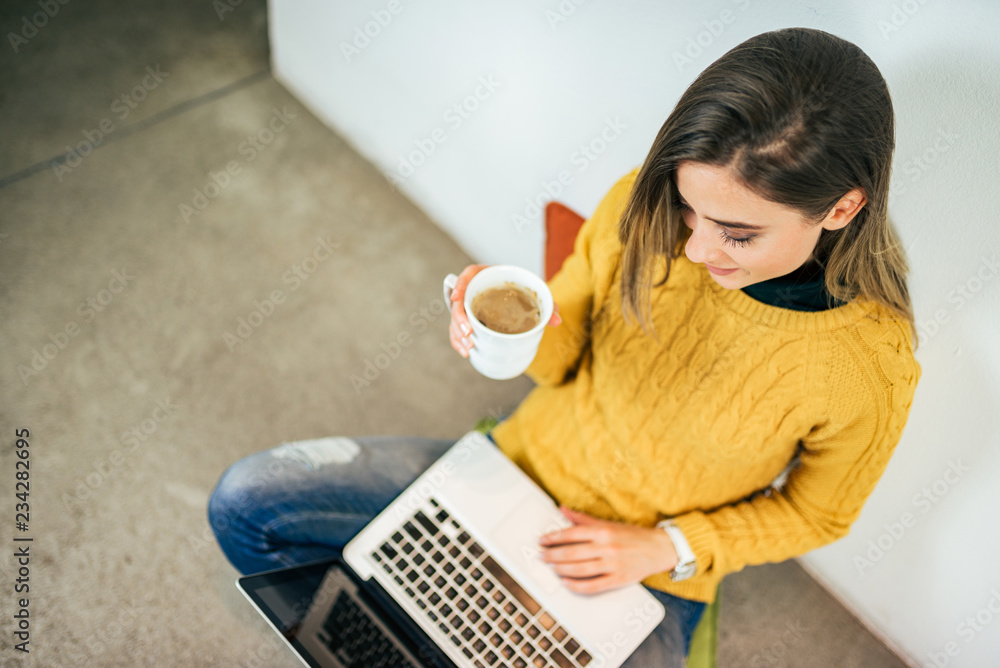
column 561, row 227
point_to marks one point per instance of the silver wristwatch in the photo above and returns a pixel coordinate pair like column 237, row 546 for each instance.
column 686, row 566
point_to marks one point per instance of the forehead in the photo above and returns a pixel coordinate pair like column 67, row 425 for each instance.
column 715, row 193
column 702, row 179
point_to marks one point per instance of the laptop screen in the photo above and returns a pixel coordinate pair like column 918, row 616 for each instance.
column 284, row 596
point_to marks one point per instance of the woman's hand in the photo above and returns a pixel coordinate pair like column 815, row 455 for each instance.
column 596, row 555
column 460, row 329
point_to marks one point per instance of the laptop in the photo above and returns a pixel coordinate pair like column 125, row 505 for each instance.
column 450, row 574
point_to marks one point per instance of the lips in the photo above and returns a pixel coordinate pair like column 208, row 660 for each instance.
column 720, row 272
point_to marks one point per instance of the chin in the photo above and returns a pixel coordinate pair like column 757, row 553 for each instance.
column 733, row 281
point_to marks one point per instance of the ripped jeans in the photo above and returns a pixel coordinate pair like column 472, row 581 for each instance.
column 304, row 501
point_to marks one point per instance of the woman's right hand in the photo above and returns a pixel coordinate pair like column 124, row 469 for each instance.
column 459, row 329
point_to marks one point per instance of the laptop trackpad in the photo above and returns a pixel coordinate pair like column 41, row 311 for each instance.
column 518, row 533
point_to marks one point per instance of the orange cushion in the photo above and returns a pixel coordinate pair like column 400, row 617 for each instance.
column 561, row 227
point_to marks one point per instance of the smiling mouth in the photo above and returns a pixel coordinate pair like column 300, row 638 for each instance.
column 718, row 270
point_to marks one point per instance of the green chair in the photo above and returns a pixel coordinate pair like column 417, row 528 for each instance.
column 704, row 641
column 486, row 424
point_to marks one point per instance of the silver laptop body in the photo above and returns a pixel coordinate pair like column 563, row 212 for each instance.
column 458, row 551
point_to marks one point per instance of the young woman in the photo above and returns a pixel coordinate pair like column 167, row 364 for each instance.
column 729, row 370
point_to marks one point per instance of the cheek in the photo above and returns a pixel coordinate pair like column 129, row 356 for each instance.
column 777, row 259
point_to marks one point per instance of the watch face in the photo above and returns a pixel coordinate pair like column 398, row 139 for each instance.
column 682, row 572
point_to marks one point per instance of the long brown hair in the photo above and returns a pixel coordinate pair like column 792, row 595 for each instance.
column 801, row 117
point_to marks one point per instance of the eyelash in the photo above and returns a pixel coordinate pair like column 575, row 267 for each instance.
column 735, row 241
column 726, row 239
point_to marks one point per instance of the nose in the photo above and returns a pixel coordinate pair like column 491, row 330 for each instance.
column 704, row 246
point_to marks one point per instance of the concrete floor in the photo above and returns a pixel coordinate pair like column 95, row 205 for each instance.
column 145, row 387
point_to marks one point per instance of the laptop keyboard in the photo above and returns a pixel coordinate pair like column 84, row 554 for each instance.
column 356, row 641
column 472, row 600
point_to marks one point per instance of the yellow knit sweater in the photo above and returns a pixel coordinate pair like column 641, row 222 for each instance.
column 698, row 425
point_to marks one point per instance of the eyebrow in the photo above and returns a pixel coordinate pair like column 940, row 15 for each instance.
column 735, row 226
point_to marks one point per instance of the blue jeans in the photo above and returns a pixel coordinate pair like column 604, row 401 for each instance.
column 304, row 501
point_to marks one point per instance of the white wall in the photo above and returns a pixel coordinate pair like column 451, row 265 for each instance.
column 565, row 73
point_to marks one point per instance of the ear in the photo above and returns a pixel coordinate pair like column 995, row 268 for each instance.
column 845, row 210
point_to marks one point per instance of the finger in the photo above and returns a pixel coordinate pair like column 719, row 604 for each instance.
column 457, row 307
column 556, row 319
column 577, row 517
column 458, row 345
column 460, row 319
column 594, row 585
column 572, row 554
column 460, row 330
column 582, row 569
column 461, row 343
column 458, row 294
column 578, row 533
column 455, row 332
column 565, row 553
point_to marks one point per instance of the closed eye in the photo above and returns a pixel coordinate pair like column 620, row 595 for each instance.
column 726, row 238
column 735, row 241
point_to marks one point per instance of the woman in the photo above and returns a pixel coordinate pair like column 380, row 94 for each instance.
column 730, row 367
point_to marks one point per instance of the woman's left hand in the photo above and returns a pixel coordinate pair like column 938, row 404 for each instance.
column 596, row 555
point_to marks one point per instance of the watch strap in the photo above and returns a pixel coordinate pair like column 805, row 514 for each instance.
column 686, row 563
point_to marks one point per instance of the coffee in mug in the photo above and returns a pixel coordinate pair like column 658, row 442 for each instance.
column 496, row 353
column 508, row 308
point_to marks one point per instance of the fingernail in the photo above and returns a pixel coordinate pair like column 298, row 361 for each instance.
column 466, row 329
column 467, row 341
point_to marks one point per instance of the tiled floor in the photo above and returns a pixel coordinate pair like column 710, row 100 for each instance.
column 127, row 269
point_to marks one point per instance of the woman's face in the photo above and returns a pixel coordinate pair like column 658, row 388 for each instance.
column 739, row 236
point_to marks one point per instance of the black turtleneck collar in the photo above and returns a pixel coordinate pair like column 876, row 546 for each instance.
column 801, row 290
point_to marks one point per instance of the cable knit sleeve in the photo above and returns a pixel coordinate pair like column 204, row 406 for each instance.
column 869, row 387
column 573, row 288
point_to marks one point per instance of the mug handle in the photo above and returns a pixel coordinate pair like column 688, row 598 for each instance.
column 450, row 281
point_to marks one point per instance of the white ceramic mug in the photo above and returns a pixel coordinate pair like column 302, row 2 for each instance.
column 494, row 354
